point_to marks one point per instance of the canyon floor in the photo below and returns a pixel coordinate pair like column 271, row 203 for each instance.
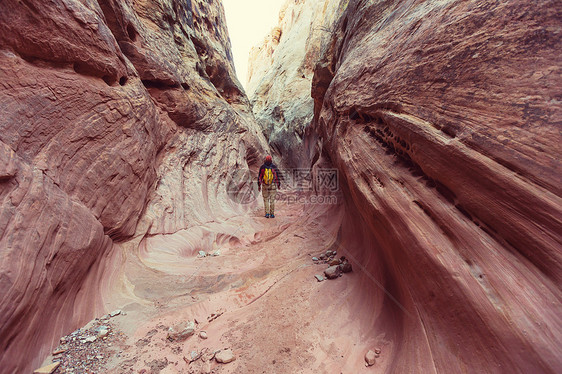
column 259, row 298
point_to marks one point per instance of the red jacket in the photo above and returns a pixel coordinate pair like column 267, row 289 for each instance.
column 275, row 174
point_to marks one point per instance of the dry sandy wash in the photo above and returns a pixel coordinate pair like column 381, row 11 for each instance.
column 272, row 312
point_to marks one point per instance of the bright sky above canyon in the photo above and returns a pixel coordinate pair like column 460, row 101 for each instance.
column 248, row 22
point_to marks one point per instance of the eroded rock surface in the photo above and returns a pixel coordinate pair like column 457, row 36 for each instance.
column 121, row 127
column 280, row 73
column 111, row 114
column 444, row 122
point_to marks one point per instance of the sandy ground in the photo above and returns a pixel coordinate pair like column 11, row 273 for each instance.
column 259, row 298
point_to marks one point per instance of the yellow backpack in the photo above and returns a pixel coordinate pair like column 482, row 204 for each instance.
column 267, row 176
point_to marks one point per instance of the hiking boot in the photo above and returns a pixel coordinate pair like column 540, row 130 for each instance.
column 272, row 216
column 267, row 216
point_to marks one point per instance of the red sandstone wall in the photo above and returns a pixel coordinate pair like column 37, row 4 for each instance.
column 105, row 107
column 444, row 120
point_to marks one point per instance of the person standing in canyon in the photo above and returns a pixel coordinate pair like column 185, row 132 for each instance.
column 269, row 177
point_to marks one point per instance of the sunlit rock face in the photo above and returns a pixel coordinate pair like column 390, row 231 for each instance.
column 280, row 73
column 443, row 118
column 117, row 119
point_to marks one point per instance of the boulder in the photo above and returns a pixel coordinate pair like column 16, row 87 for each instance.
column 332, row 272
column 181, row 332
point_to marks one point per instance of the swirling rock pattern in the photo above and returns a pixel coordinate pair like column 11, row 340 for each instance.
column 105, row 106
column 444, row 122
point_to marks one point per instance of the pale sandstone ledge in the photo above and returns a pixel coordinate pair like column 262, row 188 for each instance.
column 280, row 74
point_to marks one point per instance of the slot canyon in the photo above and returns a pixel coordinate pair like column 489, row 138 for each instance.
column 419, row 139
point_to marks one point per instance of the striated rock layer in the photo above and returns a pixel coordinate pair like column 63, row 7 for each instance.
column 280, row 75
column 117, row 119
column 443, row 118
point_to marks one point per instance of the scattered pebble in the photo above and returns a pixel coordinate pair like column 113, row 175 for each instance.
column 214, row 316
column 378, row 351
column 329, row 258
column 115, row 313
column 203, row 335
column 335, row 261
column 224, row 356
column 370, row 358
column 202, row 254
column 337, row 266
column 102, row 331
column 59, row 351
column 82, row 352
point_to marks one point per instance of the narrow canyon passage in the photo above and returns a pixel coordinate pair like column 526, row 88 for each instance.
column 273, row 313
column 124, row 127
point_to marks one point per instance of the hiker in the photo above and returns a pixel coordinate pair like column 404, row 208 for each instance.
column 269, row 177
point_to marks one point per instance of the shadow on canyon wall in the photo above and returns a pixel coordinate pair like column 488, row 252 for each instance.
column 443, row 119
column 121, row 122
